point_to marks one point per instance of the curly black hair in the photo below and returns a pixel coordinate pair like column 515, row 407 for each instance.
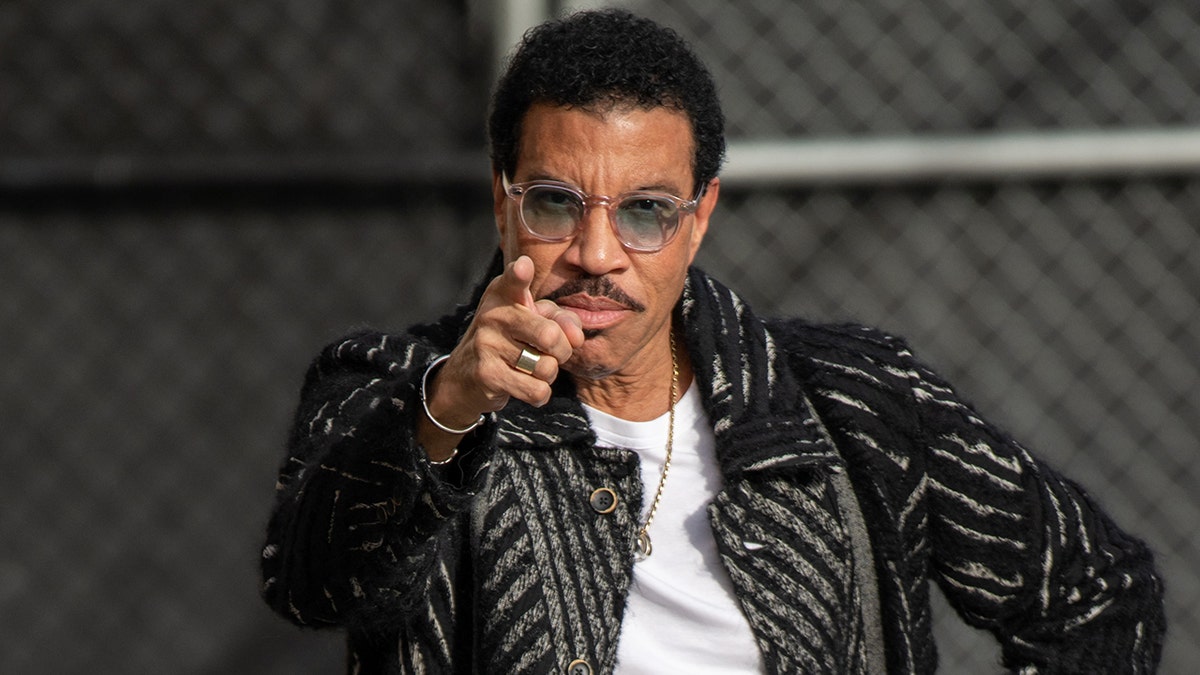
column 600, row 58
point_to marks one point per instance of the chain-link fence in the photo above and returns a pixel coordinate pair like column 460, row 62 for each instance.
column 194, row 197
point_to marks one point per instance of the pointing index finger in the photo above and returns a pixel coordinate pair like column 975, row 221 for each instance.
column 515, row 281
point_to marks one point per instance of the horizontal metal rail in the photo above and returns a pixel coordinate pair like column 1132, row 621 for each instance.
column 990, row 156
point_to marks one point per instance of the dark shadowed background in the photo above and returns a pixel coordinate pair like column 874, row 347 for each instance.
column 196, row 196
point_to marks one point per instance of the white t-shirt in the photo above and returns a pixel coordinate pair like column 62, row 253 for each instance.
column 682, row 616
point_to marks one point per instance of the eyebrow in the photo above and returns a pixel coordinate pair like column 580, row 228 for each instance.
column 655, row 187
column 669, row 189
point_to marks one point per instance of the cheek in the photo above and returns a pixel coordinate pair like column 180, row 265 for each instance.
column 667, row 284
column 541, row 285
column 545, row 259
column 515, row 243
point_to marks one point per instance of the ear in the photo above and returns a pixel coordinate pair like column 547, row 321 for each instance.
column 704, row 211
column 499, row 202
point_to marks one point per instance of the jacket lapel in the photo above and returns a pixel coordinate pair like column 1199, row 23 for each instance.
column 777, row 522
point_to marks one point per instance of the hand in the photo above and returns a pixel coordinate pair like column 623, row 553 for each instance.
column 481, row 375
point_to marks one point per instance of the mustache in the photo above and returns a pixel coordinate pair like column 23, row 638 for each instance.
column 597, row 287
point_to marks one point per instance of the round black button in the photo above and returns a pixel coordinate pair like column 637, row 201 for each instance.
column 603, row 500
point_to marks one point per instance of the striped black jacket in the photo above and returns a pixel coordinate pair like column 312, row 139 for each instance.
column 497, row 563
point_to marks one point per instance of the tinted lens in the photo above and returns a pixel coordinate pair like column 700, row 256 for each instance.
column 646, row 221
column 551, row 212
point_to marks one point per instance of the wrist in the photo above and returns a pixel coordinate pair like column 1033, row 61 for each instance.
column 442, row 424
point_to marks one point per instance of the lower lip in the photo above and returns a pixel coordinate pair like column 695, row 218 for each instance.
column 597, row 319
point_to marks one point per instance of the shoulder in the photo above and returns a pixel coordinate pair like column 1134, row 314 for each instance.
column 371, row 345
column 854, row 375
column 814, row 349
column 370, row 357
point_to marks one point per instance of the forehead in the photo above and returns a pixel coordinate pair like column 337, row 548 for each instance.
column 613, row 143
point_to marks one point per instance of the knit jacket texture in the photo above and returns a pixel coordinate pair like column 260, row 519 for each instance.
column 496, row 563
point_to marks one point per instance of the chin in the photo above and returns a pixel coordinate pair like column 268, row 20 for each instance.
column 591, row 361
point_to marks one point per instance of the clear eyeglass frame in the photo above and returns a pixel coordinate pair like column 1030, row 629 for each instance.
column 612, row 205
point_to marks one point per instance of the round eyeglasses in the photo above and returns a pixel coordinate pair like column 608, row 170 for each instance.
column 642, row 221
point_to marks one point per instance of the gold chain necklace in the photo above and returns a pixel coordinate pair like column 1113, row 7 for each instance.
column 644, row 548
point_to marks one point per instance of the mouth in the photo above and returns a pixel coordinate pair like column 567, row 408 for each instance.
column 597, row 301
column 595, row 314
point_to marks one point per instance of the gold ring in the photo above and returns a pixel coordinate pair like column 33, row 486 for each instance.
column 527, row 361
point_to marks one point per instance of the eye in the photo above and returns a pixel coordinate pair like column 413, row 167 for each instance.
column 556, row 197
column 647, row 210
column 644, row 205
column 551, row 198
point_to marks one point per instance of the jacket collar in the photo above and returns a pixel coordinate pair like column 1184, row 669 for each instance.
column 760, row 416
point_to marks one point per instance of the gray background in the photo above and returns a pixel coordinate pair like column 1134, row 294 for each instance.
column 196, row 196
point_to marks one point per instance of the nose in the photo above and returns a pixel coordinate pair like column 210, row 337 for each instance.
column 595, row 249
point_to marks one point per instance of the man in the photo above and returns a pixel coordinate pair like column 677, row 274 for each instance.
column 607, row 462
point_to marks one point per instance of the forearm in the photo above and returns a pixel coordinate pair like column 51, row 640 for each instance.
column 359, row 507
column 357, row 536
column 1025, row 553
column 1099, row 605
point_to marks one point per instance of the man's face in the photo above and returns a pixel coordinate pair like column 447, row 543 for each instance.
column 624, row 298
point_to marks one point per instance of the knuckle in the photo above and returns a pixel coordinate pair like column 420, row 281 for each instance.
column 490, row 373
column 496, row 401
column 491, row 343
column 547, row 334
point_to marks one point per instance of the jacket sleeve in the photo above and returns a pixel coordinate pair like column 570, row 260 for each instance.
column 1025, row 553
column 361, row 521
